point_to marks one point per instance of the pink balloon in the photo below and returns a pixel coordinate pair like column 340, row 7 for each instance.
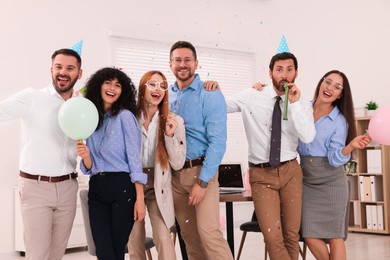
column 379, row 126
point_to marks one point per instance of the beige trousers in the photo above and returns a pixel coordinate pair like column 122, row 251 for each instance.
column 162, row 237
column 48, row 211
column 200, row 224
column 277, row 197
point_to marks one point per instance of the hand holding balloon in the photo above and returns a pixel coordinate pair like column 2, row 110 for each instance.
column 78, row 118
column 83, row 151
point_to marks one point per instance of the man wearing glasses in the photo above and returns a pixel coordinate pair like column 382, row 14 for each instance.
column 195, row 187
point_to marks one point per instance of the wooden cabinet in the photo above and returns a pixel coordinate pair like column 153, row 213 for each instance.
column 370, row 186
column 77, row 236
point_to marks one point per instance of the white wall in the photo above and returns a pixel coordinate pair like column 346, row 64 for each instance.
column 350, row 35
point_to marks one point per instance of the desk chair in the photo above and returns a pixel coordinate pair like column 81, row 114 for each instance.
column 90, row 244
column 253, row 226
column 250, row 226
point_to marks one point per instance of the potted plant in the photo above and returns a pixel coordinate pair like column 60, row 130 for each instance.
column 371, row 107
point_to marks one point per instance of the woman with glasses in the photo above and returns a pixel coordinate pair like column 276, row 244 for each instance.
column 163, row 147
column 325, row 196
column 112, row 158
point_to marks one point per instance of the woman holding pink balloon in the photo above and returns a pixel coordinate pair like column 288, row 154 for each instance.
column 325, row 187
column 111, row 157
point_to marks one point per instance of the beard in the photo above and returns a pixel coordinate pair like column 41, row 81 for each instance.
column 189, row 75
column 65, row 89
column 280, row 85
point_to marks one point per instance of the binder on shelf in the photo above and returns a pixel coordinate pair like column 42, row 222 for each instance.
column 357, row 221
column 376, row 185
column 361, row 187
column 380, row 217
column 366, row 195
column 374, row 217
column 374, row 161
column 368, row 217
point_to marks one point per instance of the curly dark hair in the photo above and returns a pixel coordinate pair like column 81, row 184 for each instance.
column 126, row 99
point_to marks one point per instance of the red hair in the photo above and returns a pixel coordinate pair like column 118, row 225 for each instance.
column 163, row 108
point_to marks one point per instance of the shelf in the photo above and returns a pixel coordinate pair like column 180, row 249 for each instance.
column 370, row 187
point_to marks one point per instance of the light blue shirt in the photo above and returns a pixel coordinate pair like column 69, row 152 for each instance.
column 331, row 134
column 115, row 147
column 204, row 114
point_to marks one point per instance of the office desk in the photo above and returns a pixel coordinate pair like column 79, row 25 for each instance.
column 229, row 199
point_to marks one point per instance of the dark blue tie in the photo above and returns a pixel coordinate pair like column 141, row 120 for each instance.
column 276, row 133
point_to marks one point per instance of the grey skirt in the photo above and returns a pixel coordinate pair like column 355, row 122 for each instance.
column 325, row 199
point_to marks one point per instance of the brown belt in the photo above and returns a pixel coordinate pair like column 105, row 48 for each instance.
column 193, row 162
column 72, row 175
column 267, row 165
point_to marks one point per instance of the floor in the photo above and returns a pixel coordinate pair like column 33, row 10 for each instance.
column 359, row 247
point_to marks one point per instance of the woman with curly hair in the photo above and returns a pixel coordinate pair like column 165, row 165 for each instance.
column 111, row 157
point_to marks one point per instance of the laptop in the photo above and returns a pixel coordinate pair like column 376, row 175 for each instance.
column 230, row 178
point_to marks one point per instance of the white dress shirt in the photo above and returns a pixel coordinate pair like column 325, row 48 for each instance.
column 256, row 108
column 149, row 140
column 45, row 149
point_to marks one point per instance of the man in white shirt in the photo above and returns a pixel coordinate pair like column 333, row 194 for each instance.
column 47, row 183
column 276, row 190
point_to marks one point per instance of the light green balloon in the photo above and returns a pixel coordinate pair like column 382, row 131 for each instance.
column 78, row 118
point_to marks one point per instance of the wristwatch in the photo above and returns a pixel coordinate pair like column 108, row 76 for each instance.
column 201, row 183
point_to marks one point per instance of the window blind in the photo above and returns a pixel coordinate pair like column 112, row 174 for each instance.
column 234, row 71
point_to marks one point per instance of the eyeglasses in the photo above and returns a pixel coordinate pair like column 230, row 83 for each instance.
column 336, row 86
column 153, row 85
column 178, row 61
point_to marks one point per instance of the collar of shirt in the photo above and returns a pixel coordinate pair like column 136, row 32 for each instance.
column 273, row 94
column 194, row 84
column 53, row 92
column 335, row 112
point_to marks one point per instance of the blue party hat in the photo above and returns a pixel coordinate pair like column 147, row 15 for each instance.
column 283, row 45
column 77, row 47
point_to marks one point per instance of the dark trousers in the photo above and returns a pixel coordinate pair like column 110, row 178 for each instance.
column 111, row 201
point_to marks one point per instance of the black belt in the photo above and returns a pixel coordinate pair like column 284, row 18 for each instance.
column 193, row 162
column 267, row 165
column 26, row 175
